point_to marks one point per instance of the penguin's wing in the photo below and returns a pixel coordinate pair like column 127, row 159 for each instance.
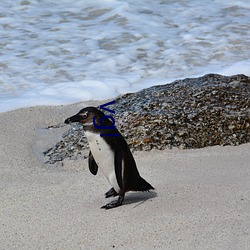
column 118, row 165
column 92, row 164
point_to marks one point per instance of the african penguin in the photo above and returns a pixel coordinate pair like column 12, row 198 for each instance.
column 111, row 154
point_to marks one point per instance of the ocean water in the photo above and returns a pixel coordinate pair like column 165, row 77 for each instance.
column 61, row 52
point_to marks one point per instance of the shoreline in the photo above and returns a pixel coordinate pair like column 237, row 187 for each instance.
column 201, row 198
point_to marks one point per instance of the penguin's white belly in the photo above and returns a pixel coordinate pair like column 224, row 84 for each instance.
column 104, row 157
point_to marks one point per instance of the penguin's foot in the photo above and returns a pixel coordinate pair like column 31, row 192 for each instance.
column 113, row 204
column 111, row 193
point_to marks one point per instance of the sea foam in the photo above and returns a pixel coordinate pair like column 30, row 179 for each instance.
column 63, row 52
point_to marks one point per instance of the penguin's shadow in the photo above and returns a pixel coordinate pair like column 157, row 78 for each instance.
column 137, row 198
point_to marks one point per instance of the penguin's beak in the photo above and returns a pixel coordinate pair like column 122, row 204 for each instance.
column 74, row 118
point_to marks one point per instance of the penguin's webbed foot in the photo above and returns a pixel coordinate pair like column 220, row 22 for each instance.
column 111, row 193
column 113, row 204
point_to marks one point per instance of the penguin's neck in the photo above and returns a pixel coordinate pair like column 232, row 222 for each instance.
column 91, row 135
column 89, row 127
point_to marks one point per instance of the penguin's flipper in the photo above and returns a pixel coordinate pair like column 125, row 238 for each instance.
column 111, row 193
column 92, row 164
column 118, row 166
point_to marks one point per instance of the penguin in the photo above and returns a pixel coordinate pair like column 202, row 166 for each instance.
column 111, row 154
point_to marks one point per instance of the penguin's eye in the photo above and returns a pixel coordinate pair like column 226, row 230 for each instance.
column 84, row 115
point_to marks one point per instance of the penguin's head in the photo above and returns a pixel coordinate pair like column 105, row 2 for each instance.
column 85, row 116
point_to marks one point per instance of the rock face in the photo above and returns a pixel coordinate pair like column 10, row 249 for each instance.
column 190, row 113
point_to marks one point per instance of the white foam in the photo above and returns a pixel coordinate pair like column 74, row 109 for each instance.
column 63, row 52
column 242, row 67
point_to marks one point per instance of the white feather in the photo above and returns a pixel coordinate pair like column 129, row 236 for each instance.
column 104, row 157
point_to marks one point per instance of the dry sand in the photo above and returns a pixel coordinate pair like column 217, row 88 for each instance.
column 201, row 201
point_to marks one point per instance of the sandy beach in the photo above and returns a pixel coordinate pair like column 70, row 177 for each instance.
column 201, row 198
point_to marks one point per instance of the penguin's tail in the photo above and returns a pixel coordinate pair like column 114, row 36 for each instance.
column 141, row 185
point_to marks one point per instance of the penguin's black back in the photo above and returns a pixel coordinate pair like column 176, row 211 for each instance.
column 132, row 180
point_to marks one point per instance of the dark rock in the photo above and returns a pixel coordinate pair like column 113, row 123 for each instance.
column 190, row 113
